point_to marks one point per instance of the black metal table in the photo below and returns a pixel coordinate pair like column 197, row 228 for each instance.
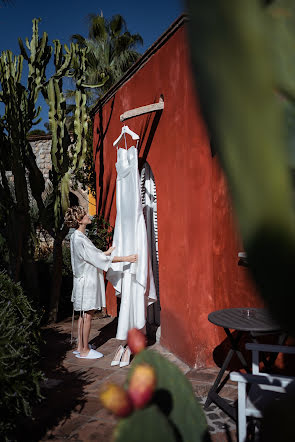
column 255, row 321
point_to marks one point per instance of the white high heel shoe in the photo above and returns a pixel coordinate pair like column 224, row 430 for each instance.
column 125, row 360
column 118, row 356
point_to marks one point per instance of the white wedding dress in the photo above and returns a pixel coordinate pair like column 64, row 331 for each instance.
column 133, row 282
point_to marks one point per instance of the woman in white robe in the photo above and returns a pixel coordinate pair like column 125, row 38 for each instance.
column 88, row 264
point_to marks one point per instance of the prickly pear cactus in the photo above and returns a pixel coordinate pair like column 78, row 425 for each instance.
column 147, row 425
column 173, row 414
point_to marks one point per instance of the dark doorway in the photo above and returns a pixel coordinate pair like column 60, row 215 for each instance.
column 149, row 204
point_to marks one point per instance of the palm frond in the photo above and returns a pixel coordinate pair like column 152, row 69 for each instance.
column 111, row 50
column 123, row 61
column 98, row 28
column 126, row 42
column 117, row 25
column 137, row 39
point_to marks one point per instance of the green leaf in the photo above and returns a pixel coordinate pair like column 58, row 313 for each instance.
column 175, row 397
column 235, row 75
column 148, row 425
column 282, row 34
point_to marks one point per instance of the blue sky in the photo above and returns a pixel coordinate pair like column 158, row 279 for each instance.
column 61, row 19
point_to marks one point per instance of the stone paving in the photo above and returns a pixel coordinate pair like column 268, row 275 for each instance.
column 71, row 409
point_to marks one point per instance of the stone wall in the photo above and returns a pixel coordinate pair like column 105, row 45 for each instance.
column 41, row 145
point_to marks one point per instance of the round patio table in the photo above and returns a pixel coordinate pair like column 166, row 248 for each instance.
column 255, row 321
column 244, row 319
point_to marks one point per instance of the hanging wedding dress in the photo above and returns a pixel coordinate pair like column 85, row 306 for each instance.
column 133, row 282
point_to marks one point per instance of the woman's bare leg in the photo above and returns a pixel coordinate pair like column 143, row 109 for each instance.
column 80, row 337
column 86, row 325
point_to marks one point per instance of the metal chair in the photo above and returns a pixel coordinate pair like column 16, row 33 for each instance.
column 263, row 388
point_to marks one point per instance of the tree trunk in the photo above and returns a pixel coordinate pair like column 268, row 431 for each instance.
column 22, row 223
column 56, row 279
column 56, row 274
column 29, row 272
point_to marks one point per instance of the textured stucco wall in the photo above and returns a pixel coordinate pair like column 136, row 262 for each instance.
column 198, row 239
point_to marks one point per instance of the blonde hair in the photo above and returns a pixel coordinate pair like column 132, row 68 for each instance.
column 74, row 215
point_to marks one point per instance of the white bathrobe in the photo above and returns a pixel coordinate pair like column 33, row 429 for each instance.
column 88, row 264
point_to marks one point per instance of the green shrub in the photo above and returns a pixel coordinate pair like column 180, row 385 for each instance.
column 20, row 375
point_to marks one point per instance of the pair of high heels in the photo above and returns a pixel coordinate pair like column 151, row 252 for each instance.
column 122, row 357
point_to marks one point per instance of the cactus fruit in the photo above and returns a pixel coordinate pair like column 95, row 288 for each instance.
column 136, row 340
column 142, row 385
column 115, row 399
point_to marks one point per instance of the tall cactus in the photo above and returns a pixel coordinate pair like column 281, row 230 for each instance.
column 19, row 117
column 67, row 151
column 64, row 164
column 16, row 154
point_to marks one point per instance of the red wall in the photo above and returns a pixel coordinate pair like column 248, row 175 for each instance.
column 198, row 243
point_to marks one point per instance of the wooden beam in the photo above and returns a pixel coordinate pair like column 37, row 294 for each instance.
column 142, row 110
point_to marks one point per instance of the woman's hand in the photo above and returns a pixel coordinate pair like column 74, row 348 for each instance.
column 131, row 258
column 109, row 251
